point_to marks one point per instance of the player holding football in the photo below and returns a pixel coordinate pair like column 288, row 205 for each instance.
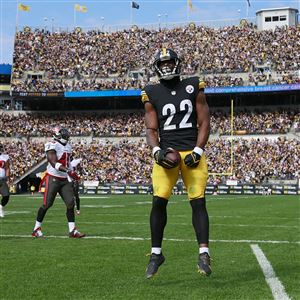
column 4, row 176
column 177, row 116
column 58, row 180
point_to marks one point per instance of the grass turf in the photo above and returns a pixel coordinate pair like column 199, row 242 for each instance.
column 103, row 267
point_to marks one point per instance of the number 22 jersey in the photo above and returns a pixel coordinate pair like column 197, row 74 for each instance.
column 175, row 105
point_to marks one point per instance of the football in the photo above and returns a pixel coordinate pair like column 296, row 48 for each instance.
column 174, row 156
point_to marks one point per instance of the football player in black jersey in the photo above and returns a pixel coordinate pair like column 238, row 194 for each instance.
column 177, row 116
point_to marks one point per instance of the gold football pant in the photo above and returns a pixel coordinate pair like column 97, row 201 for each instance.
column 194, row 178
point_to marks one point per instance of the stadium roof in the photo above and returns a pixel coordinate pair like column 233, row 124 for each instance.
column 277, row 8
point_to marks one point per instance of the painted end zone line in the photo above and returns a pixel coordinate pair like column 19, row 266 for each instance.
column 146, row 239
column 274, row 283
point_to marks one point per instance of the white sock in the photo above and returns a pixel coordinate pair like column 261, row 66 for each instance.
column 156, row 250
column 37, row 225
column 71, row 226
column 203, row 249
column 1, row 206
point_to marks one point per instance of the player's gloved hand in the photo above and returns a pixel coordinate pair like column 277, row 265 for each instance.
column 192, row 160
column 161, row 159
column 73, row 175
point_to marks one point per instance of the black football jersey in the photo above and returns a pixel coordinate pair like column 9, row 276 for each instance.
column 175, row 105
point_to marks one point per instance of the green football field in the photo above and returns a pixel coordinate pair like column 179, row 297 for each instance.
column 254, row 246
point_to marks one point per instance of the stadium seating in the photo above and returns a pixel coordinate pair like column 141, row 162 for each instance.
column 132, row 124
column 81, row 61
column 128, row 161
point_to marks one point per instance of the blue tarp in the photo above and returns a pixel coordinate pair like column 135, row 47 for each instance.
column 5, row 69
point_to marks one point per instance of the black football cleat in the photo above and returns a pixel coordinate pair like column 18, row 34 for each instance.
column 204, row 264
column 155, row 261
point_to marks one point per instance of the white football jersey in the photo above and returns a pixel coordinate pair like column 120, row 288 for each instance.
column 3, row 159
column 63, row 154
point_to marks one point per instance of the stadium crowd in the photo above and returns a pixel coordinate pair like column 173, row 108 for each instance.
column 132, row 124
column 84, row 60
column 255, row 160
column 80, row 124
column 23, row 156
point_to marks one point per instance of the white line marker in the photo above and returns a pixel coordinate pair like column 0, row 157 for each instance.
column 12, row 212
column 274, row 283
column 146, row 239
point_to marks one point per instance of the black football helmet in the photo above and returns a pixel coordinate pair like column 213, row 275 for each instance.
column 61, row 135
column 166, row 72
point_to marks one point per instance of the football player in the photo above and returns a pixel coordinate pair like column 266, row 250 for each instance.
column 4, row 176
column 177, row 116
column 76, row 167
column 58, row 180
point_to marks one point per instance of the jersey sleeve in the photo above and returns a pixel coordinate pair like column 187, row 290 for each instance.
column 144, row 96
column 50, row 146
column 202, row 85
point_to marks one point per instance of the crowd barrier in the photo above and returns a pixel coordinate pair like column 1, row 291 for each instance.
column 222, row 189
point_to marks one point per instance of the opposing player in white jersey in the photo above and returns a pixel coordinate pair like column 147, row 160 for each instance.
column 4, row 176
column 58, row 180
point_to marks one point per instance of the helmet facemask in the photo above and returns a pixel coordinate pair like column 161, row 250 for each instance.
column 61, row 135
column 166, row 71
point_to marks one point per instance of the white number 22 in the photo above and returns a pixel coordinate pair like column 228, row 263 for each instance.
column 170, row 110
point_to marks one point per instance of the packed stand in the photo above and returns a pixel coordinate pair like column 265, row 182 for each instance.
column 23, row 156
column 92, row 55
column 255, row 160
column 50, row 85
column 132, row 124
column 254, row 122
column 41, row 125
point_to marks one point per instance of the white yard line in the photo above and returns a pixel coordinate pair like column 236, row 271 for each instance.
column 274, row 283
column 12, row 212
column 146, row 239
